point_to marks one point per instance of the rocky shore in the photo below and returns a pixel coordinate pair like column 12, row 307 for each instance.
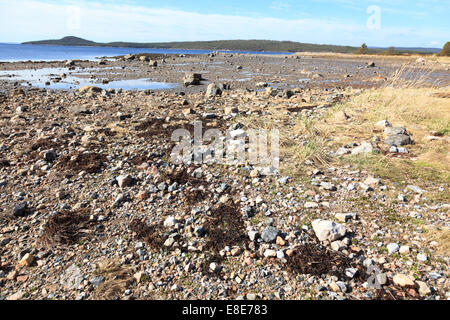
column 91, row 206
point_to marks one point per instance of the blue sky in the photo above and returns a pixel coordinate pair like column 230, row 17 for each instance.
column 403, row 23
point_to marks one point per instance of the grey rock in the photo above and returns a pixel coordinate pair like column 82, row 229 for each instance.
column 270, row 234
column 73, row 277
column 162, row 186
column 200, row 231
column 381, row 278
column 398, row 140
column 50, row 156
column 395, row 130
column 97, row 281
column 21, row 210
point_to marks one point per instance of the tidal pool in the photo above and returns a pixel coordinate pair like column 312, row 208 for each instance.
column 63, row 79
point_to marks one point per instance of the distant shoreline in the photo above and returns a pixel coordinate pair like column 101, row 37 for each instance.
column 229, row 45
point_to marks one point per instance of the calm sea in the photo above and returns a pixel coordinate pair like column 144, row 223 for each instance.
column 21, row 52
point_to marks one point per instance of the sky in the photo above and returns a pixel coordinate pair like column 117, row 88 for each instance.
column 379, row 23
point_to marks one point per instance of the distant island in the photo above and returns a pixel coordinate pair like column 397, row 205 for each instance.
column 236, row 45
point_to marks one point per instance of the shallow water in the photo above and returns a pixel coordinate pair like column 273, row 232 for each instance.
column 72, row 81
column 22, row 52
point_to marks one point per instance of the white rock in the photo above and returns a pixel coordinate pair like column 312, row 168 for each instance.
column 326, row 230
column 393, row 247
column 422, row 257
column 270, row 253
column 170, row 222
column 403, row 280
column 311, row 205
column 404, row 250
column 365, row 147
column 383, row 124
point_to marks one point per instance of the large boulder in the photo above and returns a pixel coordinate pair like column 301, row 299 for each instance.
column 129, row 57
column 214, row 90
column 192, row 79
column 89, row 89
column 398, row 140
column 326, row 230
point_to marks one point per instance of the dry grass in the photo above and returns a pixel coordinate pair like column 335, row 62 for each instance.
column 117, row 278
column 423, row 111
column 406, row 57
column 412, row 75
column 66, row 228
column 291, row 129
column 418, row 109
column 442, row 237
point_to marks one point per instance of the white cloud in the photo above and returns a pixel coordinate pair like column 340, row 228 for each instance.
column 22, row 20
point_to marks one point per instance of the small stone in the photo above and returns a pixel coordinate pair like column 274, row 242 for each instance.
column 338, row 245
column 21, row 210
column 169, row 242
column 424, row 290
column 422, row 257
column 345, row 217
column 416, row 189
column 254, row 173
column 213, row 90
column 269, row 253
column 403, row 280
column 311, row 205
column 214, row 267
column 124, row 181
column 251, row 296
column 371, row 181
column 383, row 124
column 381, row 278
column 21, row 109
column 16, row 296
column 187, row 111
column 328, row 186
column 364, row 148
column 351, row 272
column 230, row 110
column 224, row 199
column 170, row 222
column 253, row 235
column 143, row 195
column 162, row 186
column 200, row 231
column 393, row 248
column 50, row 156
column 404, row 250
column 26, row 261
column 280, row 242
column 395, row 130
column 97, row 281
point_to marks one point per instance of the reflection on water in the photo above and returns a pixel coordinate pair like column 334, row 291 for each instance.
column 62, row 79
